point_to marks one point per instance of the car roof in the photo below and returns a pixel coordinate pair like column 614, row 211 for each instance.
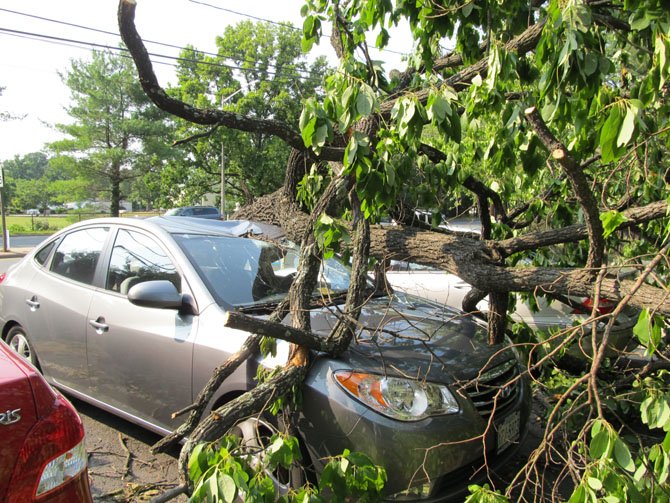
column 232, row 228
column 192, row 225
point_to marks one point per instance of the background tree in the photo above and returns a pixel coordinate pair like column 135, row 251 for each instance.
column 35, row 181
column 116, row 135
column 259, row 71
column 554, row 116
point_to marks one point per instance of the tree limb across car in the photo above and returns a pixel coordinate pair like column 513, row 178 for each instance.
column 479, row 262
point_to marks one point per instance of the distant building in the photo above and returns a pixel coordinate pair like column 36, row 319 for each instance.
column 103, row 206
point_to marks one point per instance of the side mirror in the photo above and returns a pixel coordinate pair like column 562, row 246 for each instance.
column 161, row 294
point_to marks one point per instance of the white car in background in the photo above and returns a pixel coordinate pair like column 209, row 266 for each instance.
column 549, row 315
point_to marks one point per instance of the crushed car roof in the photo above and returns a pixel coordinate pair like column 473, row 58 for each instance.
column 233, row 228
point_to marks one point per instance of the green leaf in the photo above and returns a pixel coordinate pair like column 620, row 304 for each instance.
column 227, row 487
column 600, row 445
column 609, row 134
column 648, row 331
column 467, row 8
column 197, row 463
column 326, row 220
column 611, row 221
column 320, row 135
column 594, row 483
column 365, row 101
column 622, row 456
column 347, row 96
column 307, row 132
column 350, row 152
column 438, row 108
column 590, row 64
column 655, row 412
column 627, row 128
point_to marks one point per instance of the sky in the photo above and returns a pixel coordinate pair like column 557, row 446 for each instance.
column 30, row 63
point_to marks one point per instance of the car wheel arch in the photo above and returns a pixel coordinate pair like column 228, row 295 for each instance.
column 6, row 331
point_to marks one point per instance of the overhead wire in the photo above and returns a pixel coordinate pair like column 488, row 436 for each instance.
column 73, row 44
column 83, row 44
column 288, row 25
column 163, row 44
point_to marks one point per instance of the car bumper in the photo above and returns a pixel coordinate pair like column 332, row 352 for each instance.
column 429, row 460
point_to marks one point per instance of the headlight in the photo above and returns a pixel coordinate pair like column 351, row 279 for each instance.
column 396, row 397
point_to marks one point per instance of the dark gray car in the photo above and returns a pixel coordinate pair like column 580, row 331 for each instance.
column 420, row 391
column 210, row 212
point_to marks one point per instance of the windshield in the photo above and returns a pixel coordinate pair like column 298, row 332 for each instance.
column 245, row 272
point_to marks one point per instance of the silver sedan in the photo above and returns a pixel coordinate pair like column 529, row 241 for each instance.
column 129, row 316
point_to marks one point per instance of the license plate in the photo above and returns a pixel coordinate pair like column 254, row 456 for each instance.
column 508, row 430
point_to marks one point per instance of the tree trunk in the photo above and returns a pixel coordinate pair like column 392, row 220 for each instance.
column 115, row 200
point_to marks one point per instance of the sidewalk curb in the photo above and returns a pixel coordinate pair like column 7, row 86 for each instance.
column 16, row 253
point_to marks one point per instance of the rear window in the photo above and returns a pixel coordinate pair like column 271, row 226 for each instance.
column 78, row 253
column 205, row 211
column 42, row 255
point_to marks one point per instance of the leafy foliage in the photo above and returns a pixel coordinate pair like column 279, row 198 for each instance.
column 116, row 134
column 228, row 470
column 272, row 80
column 599, row 76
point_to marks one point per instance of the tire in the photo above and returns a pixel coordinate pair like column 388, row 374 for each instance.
column 254, row 434
column 17, row 339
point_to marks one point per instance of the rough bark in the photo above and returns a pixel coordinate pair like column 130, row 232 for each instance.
column 343, row 332
column 574, row 233
column 250, row 404
column 475, row 262
column 580, row 186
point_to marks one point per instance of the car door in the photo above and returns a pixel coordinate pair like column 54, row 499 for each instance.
column 59, row 299
column 140, row 358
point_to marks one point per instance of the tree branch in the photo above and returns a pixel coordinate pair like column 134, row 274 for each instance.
column 579, row 185
column 578, row 232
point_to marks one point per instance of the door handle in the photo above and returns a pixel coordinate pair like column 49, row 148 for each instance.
column 100, row 326
column 33, row 303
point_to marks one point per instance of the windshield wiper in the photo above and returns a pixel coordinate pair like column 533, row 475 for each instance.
column 341, row 295
column 262, row 307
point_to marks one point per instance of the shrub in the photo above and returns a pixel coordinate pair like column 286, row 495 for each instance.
column 41, row 225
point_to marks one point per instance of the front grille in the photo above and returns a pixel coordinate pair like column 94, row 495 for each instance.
column 493, row 390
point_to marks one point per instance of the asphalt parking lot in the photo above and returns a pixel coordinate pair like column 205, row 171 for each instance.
column 121, row 465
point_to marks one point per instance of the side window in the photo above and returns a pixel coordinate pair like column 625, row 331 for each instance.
column 42, row 255
column 137, row 258
column 77, row 254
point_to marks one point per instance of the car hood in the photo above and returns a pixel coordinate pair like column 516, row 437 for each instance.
column 406, row 335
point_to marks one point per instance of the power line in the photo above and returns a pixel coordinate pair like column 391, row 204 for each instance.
column 287, row 25
column 250, row 16
column 75, row 45
column 80, row 43
column 164, row 44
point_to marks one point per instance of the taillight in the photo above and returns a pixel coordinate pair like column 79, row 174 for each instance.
column 52, row 455
column 3, row 276
column 605, row 306
column 61, row 469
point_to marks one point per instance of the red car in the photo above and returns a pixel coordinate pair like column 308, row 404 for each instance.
column 42, row 453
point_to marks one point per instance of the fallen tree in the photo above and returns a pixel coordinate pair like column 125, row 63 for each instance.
column 590, row 153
